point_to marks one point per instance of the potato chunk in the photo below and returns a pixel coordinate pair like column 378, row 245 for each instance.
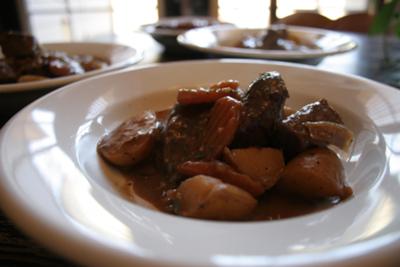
column 206, row 197
column 264, row 165
column 224, row 172
column 315, row 173
column 131, row 142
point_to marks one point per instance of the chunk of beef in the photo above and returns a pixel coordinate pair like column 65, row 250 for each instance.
column 198, row 133
column 262, row 110
column 293, row 134
column 182, row 135
column 28, row 66
column 16, row 45
column 272, row 38
column 7, row 74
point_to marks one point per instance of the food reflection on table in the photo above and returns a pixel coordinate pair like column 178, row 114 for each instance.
column 276, row 37
column 226, row 154
column 25, row 60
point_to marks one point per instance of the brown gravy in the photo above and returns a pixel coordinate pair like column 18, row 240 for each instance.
column 151, row 185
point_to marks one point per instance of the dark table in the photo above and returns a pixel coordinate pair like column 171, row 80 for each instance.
column 17, row 249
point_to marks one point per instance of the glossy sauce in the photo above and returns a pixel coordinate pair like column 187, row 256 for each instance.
column 151, row 185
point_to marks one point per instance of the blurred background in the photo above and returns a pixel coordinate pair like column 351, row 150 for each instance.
column 75, row 20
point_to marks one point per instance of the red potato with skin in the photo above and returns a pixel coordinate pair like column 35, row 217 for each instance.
column 315, row 173
column 206, row 197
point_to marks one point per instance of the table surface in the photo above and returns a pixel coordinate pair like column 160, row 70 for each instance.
column 17, row 249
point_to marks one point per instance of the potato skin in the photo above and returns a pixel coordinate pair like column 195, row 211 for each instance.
column 315, row 173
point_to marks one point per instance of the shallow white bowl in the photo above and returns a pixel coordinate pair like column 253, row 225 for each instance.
column 55, row 188
column 167, row 35
column 223, row 39
column 119, row 56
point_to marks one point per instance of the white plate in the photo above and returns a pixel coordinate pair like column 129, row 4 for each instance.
column 119, row 56
column 222, row 39
column 55, row 188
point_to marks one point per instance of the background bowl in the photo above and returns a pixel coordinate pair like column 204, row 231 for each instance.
column 222, row 40
column 166, row 30
column 14, row 96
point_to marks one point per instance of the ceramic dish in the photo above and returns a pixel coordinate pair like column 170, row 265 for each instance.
column 222, row 39
column 166, row 30
column 56, row 189
column 119, row 56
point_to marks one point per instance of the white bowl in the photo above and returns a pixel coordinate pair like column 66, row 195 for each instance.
column 165, row 31
column 119, row 56
column 223, row 40
column 55, row 188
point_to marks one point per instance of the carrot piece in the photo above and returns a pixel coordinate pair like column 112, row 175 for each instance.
column 221, row 127
column 233, row 84
column 204, row 95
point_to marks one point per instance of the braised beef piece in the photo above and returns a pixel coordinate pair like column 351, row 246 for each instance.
column 293, row 135
column 182, row 135
column 7, row 74
column 271, row 39
column 274, row 38
column 17, row 45
column 199, row 132
column 262, row 110
column 22, row 53
column 27, row 65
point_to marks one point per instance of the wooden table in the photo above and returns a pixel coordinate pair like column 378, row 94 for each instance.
column 16, row 249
